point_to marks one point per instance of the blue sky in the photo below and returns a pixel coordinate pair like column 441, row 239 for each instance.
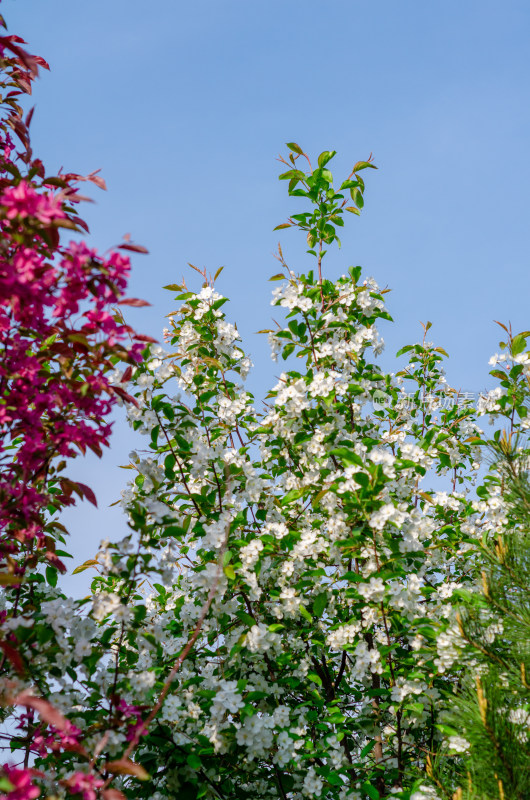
column 185, row 106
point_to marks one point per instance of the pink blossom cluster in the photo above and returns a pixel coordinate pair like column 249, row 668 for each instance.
column 21, row 781
column 59, row 338
column 84, row 784
column 134, row 714
column 45, row 738
column 61, row 341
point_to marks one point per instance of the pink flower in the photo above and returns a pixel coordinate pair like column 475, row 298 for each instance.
column 20, row 779
column 23, row 201
column 85, row 785
column 127, row 710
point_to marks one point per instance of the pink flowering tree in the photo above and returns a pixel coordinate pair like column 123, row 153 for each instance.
column 61, row 338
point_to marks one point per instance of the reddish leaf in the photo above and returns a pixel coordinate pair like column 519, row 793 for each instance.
column 142, row 338
column 75, row 197
column 55, row 561
column 24, row 85
column 38, row 165
column 135, row 248
column 95, row 178
column 112, row 794
column 126, row 767
column 124, row 395
column 53, row 181
column 133, row 301
column 30, row 62
column 41, row 62
column 13, row 656
column 8, row 579
column 88, row 493
column 46, row 711
column 29, row 117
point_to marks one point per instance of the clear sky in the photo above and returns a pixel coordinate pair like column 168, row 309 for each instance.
column 185, row 106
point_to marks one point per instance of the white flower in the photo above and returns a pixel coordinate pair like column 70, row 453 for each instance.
column 227, row 698
column 103, row 604
column 386, row 459
column 457, row 744
column 259, row 639
column 281, row 716
column 141, row 681
column 83, row 648
column 313, row 783
column 519, row 716
column 373, row 591
column 387, row 513
column 424, row 793
column 448, row 645
column 488, row 403
column 322, row 384
column 343, row 636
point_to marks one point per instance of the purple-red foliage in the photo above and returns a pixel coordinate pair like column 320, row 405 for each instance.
column 59, row 333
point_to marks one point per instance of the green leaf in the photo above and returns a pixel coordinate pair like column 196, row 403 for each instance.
column 319, row 604
column 292, row 173
column 295, row 148
column 294, row 494
column 518, row 344
column 312, row 676
column 355, row 273
column 349, row 184
column 347, row 456
column 246, row 618
column 357, row 168
column 51, row 576
column 229, row 572
column 169, row 463
column 368, row 748
column 86, row 565
column 353, row 210
column 362, row 479
column 194, row 761
column 357, row 197
column 305, row 613
column 318, row 497
column 371, row 791
column 326, row 156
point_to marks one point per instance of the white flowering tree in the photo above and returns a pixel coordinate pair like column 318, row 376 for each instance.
column 281, row 620
column 306, row 531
